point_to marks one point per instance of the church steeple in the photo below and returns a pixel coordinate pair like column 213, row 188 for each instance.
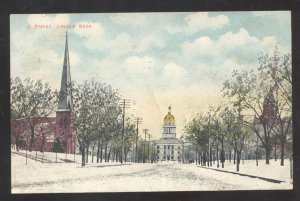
column 65, row 100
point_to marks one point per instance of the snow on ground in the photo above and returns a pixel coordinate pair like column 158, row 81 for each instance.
column 272, row 171
column 51, row 177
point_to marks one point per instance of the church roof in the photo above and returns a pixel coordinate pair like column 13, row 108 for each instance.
column 65, row 99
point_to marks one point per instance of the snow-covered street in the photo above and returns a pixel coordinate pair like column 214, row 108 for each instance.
column 37, row 177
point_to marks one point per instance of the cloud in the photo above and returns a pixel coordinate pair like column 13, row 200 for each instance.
column 211, row 61
column 139, row 65
column 28, row 41
column 174, row 76
column 268, row 13
column 240, row 46
column 128, row 18
column 44, row 64
column 53, row 20
column 279, row 17
column 74, row 58
column 199, row 21
column 96, row 29
column 201, row 46
column 150, row 41
column 269, row 41
column 262, row 13
column 120, row 45
column 174, row 71
column 43, row 19
column 147, row 64
column 98, row 39
column 94, row 36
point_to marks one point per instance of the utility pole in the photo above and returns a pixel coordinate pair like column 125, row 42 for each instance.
column 146, row 133
column 149, row 136
column 209, row 144
column 138, row 120
column 124, row 104
column 154, row 153
column 182, row 158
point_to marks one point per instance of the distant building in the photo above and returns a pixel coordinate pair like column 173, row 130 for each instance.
column 50, row 131
column 270, row 119
column 168, row 147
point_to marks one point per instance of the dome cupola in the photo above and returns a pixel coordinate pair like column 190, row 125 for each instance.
column 169, row 118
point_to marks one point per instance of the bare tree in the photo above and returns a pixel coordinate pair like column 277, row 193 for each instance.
column 96, row 114
column 252, row 95
column 31, row 100
column 278, row 68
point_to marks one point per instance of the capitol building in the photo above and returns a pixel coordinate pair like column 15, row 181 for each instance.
column 168, row 147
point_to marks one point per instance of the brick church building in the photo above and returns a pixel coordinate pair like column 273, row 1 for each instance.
column 50, row 132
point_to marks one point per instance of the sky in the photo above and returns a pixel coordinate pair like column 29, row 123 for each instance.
column 155, row 60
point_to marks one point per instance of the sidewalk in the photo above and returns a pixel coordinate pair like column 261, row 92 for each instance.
column 272, row 172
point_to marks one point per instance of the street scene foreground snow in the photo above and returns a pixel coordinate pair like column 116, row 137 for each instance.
column 56, row 177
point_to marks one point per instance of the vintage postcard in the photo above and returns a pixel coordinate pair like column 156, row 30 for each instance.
column 149, row 102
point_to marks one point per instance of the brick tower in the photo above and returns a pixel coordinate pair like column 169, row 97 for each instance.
column 64, row 110
column 269, row 108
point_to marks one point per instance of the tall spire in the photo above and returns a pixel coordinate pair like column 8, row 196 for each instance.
column 65, row 100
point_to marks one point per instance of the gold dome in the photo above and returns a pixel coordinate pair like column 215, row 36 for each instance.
column 169, row 118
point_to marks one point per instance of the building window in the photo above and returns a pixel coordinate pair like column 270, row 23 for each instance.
column 178, row 147
column 169, row 147
column 164, row 157
column 178, row 157
column 157, row 151
column 172, row 157
column 65, row 122
column 164, row 152
column 157, row 146
column 164, row 146
column 172, row 146
column 178, row 152
column 172, row 152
